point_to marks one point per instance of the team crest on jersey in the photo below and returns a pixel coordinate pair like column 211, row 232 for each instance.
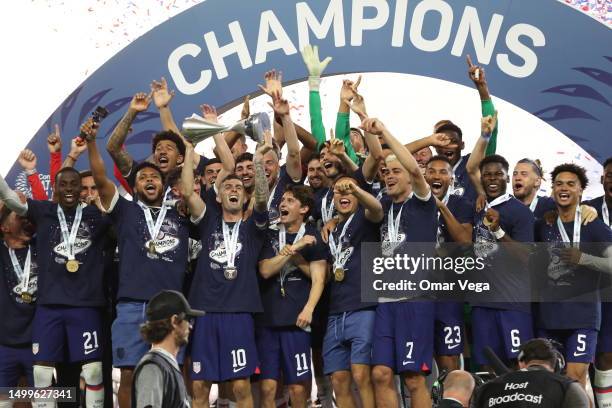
column 35, row 348
column 458, row 190
column 81, row 244
column 485, row 243
column 197, row 367
column 389, row 247
column 219, row 254
column 557, row 269
column 32, row 288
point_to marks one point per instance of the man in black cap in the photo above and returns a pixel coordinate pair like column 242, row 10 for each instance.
column 158, row 381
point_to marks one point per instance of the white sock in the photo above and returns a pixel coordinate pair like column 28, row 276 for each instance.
column 602, row 386
column 43, row 377
column 94, row 388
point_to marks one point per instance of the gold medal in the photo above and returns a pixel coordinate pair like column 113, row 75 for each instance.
column 283, row 293
column 339, row 274
column 26, row 297
column 72, row 265
column 151, row 248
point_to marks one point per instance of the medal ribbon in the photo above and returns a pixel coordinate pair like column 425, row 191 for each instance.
column 445, row 199
column 577, row 221
column 336, row 249
column 70, row 237
column 604, row 212
column 534, row 204
column 393, row 223
column 282, row 241
column 23, row 274
column 154, row 228
column 230, row 240
column 499, row 200
column 271, row 198
column 327, row 213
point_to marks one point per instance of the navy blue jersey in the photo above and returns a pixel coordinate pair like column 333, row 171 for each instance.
column 142, row 274
column 506, row 275
column 210, row 290
column 16, row 322
column 462, row 209
column 418, row 222
column 544, row 205
column 345, row 296
column 57, row 286
column 576, row 280
column 463, row 186
column 597, row 203
column 282, row 310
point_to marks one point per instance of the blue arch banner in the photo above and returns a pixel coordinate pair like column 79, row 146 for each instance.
column 217, row 51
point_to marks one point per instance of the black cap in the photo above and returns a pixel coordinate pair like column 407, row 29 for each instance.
column 167, row 303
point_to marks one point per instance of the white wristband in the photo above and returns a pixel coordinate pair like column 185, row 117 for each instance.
column 499, row 234
column 31, row 172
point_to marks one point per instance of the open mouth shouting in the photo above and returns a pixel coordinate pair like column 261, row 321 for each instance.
column 436, row 187
column 345, row 204
column 563, row 197
column 69, row 197
column 150, row 188
column 233, row 198
column 163, row 161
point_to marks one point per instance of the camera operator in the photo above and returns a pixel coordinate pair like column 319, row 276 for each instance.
column 537, row 383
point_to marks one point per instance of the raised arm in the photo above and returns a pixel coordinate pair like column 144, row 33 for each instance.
column 343, row 127
column 461, row 233
column 315, row 67
column 487, row 124
column 140, row 103
column 419, row 185
column 194, row 201
column 261, row 183
column 27, row 161
column 375, row 156
column 338, row 149
column 54, row 144
column 77, row 147
column 294, row 163
column 477, row 75
column 11, row 199
column 106, row 188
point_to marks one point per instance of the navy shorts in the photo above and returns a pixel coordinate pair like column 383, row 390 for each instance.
column 15, row 362
column 286, row 349
column 223, row 347
column 579, row 345
column 348, row 340
column 403, row 336
column 449, row 331
column 502, row 330
column 604, row 341
column 54, row 327
column 128, row 344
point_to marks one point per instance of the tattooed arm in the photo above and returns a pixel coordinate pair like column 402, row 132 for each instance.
column 123, row 160
column 261, row 183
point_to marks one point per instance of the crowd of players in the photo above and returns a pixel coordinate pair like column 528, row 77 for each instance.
column 272, row 254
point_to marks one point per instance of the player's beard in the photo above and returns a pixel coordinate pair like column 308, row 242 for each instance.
column 181, row 338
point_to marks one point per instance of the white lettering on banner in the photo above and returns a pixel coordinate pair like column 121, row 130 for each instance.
column 470, row 24
column 520, row 39
column 306, row 19
column 359, row 23
column 267, row 23
column 446, row 24
column 237, row 46
column 174, row 67
column 526, row 53
column 399, row 23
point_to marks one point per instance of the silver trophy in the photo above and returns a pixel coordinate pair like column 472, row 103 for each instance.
column 196, row 128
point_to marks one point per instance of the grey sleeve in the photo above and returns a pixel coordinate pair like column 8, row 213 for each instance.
column 575, row 397
column 149, row 387
column 11, row 199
